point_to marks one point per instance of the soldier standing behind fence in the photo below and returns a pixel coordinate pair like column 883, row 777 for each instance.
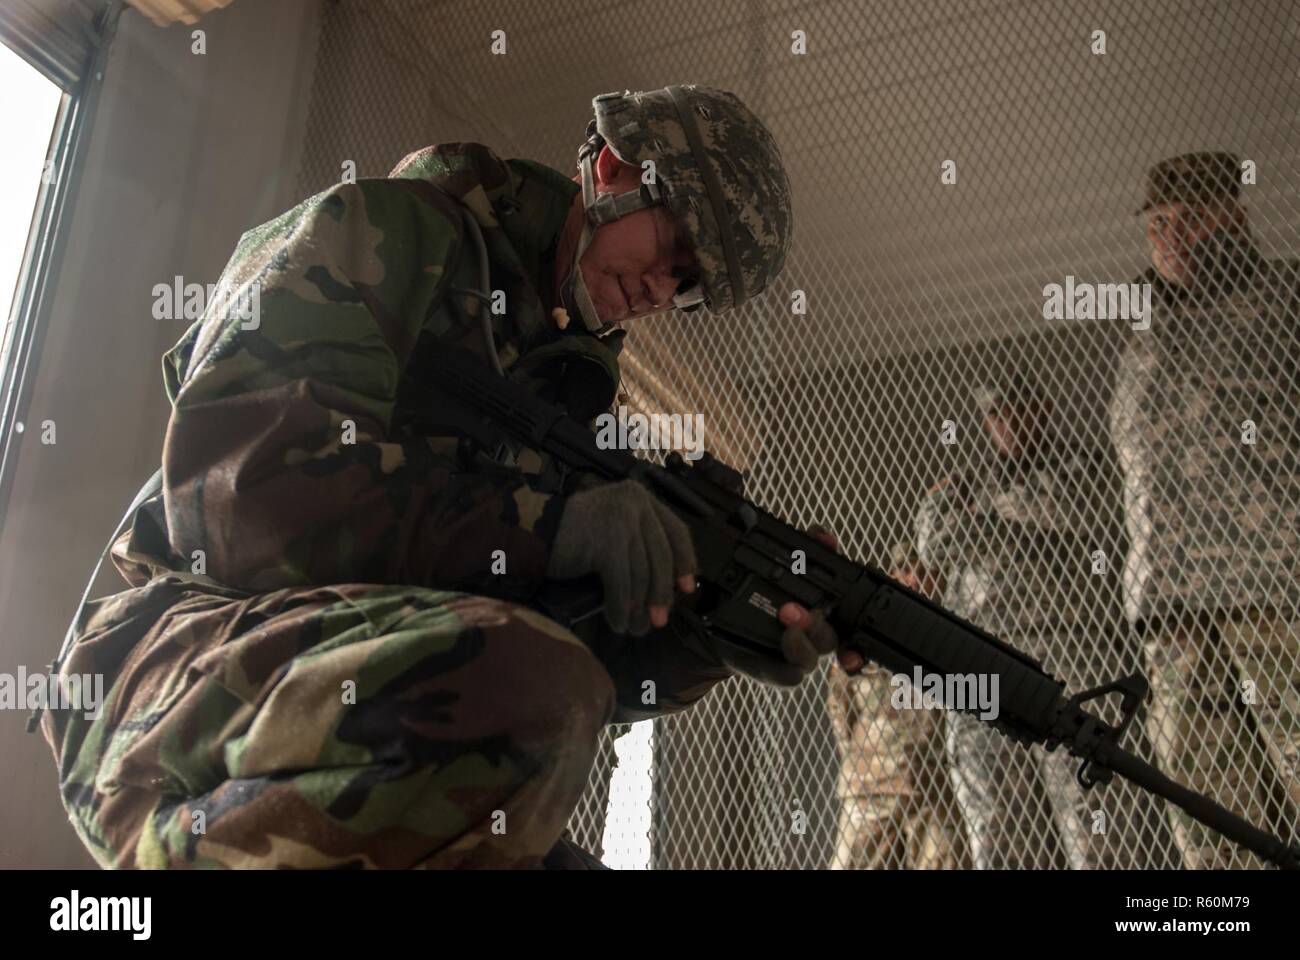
column 896, row 809
column 1206, row 424
column 1015, row 536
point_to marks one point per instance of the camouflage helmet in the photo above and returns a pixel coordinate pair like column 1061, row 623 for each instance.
column 721, row 176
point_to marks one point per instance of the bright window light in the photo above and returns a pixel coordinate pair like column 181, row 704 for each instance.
column 27, row 113
column 627, row 826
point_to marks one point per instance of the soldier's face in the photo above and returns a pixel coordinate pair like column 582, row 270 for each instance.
column 918, row 578
column 1174, row 229
column 909, row 577
column 634, row 265
column 1013, row 433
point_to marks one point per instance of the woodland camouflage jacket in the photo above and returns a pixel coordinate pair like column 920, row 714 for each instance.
column 295, row 452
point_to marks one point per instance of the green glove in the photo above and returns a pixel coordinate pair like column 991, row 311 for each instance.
column 634, row 543
column 803, row 644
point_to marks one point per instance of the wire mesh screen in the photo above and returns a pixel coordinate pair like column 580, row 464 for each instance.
column 951, row 377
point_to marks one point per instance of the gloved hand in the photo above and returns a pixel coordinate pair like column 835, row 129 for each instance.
column 807, row 638
column 634, row 543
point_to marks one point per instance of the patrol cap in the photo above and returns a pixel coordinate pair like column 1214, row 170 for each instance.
column 1201, row 178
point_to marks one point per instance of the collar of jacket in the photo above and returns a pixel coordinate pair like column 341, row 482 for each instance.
column 521, row 207
column 1230, row 270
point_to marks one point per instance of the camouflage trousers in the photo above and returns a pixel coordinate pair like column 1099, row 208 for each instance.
column 1024, row 808
column 344, row 726
column 1224, row 720
column 895, row 807
column 1000, row 797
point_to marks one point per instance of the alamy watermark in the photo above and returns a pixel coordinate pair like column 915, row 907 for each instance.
column 1079, row 300
column 656, row 431
column 179, row 300
column 968, row 692
column 52, row 691
column 76, row 913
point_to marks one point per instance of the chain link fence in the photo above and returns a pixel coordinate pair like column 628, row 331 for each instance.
column 948, row 161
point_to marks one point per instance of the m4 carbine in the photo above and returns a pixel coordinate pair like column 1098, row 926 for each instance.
column 746, row 561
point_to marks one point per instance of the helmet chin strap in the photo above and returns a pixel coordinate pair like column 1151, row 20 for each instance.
column 578, row 295
column 598, row 210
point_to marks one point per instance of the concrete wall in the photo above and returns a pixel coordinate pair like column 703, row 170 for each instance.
column 187, row 153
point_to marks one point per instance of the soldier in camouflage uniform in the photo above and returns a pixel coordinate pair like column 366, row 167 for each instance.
column 328, row 655
column 1206, row 424
column 1014, row 537
column 896, row 810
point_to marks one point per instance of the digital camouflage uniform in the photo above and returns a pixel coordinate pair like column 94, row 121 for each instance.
column 1014, row 539
column 1212, row 576
column 346, row 682
column 896, row 809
